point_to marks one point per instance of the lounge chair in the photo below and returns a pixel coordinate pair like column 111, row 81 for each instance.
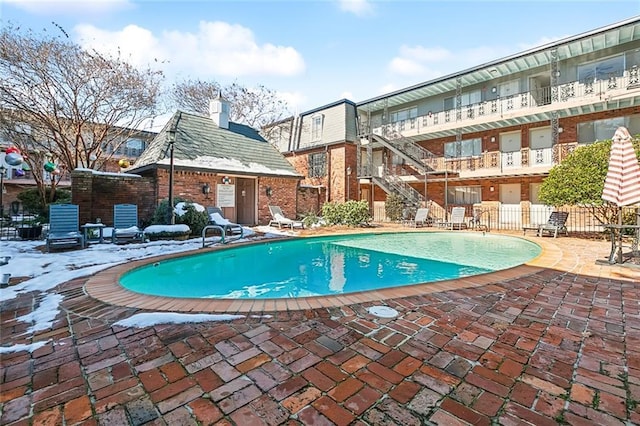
column 555, row 224
column 456, row 219
column 278, row 218
column 216, row 217
column 421, row 218
column 125, row 224
column 64, row 225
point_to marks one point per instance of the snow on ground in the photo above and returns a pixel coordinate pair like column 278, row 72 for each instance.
column 48, row 270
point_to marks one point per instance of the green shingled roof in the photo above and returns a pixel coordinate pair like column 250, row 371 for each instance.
column 201, row 144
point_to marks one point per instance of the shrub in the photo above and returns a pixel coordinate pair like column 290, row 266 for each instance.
column 393, row 207
column 331, row 214
column 310, row 219
column 351, row 213
column 161, row 214
column 193, row 215
column 162, row 232
column 33, row 203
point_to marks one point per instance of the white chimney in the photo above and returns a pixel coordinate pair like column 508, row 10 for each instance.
column 219, row 112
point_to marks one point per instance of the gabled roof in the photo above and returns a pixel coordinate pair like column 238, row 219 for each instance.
column 202, row 145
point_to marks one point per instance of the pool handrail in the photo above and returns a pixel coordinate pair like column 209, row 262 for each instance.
column 223, row 234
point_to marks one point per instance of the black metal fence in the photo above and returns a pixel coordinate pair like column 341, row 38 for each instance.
column 515, row 217
column 17, row 223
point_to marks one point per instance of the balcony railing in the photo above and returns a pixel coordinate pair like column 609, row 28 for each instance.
column 494, row 162
column 567, row 95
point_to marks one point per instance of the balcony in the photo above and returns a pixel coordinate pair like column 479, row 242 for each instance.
column 526, row 161
column 522, row 108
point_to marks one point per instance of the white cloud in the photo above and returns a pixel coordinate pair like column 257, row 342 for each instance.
column 295, row 100
column 357, row 7
column 346, row 95
column 541, row 42
column 70, row 7
column 433, row 62
column 217, row 49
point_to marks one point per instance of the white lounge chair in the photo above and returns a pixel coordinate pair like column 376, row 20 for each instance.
column 216, row 217
column 456, row 220
column 421, row 219
column 278, row 218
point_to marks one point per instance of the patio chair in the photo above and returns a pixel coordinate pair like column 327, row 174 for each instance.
column 456, row 220
column 216, row 217
column 125, row 225
column 64, row 225
column 421, row 218
column 278, row 218
column 555, row 224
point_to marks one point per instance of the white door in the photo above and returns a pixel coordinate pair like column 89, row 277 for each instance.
column 510, row 145
column 510, row 210
column 540, row 147
column 539, row 212
column 378, row 164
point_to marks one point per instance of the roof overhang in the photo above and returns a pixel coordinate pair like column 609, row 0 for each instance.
column 596, row 40
column 151, row 167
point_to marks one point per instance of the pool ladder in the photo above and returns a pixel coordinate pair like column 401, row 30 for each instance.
column 223, row 235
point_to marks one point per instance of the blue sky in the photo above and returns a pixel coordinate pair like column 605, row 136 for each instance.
column 316, row 52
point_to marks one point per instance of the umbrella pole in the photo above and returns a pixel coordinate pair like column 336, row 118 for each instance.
column 619, row 259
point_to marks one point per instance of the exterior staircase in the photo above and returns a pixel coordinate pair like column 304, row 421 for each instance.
column 392, row 184
column 422, row 160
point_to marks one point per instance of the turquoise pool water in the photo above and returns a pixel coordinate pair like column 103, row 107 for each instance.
column 330, row 265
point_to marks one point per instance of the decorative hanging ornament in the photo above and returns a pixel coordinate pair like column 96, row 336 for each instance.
column 49, row 166
column 13, row 158
column 123, row 163
column 12, row 149
column 93, row 157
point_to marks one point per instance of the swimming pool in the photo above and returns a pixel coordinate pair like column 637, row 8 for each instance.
column 329, row 265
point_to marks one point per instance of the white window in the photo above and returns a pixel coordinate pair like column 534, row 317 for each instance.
column 467, row 98
column 404, row 114
column 316, row 127
column 509, row 88
column 134, row 147
column 465, row 148
column 599, row 130
column 464, row 195
column 601, row 70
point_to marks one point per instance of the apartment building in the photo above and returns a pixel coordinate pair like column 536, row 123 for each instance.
column 485, row 136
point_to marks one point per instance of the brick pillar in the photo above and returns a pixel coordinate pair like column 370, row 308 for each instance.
column 81, row 193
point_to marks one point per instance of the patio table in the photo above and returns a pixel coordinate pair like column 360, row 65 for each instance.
column 617, row 244
column 89, row 228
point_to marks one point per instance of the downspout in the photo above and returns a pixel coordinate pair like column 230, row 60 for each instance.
column 326, row 150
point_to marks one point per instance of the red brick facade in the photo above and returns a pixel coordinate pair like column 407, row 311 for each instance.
column 336, row 181
column 97, row 193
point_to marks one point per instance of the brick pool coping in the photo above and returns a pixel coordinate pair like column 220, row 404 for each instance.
column 105, row 286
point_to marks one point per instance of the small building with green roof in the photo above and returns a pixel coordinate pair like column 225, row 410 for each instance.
column 219, row 163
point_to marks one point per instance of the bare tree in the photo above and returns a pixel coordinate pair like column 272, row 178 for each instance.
column 257, row 107
column 65, row 104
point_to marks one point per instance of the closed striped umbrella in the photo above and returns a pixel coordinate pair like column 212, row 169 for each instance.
column 622, row 184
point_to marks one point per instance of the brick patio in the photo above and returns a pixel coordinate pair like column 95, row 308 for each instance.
column 558, row 345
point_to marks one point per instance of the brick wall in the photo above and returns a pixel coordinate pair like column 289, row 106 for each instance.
column 283, row 193
column 339, row 157
column 311, row 199
column 97, row 193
